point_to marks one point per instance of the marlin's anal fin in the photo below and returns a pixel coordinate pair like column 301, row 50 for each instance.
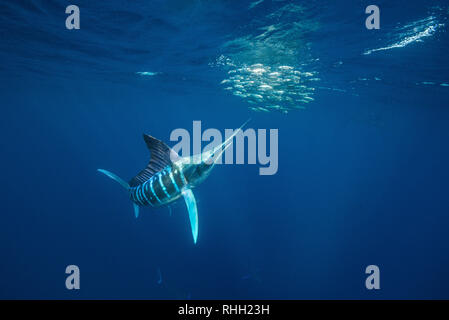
column 193, row 212
column 136, row 210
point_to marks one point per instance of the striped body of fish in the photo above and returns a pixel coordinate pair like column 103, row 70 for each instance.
column 168, row 177
column 163, row 188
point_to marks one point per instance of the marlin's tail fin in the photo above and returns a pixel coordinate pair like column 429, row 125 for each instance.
column 124, row 185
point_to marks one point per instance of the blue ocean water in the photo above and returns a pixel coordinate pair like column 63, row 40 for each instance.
column 363, row 124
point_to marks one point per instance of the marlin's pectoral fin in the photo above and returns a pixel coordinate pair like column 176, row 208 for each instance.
column 193, row 211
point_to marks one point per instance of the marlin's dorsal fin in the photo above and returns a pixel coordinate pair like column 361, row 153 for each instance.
column 161, row 156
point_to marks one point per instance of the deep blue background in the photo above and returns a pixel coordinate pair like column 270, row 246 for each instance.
column 363, row 174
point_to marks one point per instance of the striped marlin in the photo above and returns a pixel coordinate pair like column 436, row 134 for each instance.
column 167, row 177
